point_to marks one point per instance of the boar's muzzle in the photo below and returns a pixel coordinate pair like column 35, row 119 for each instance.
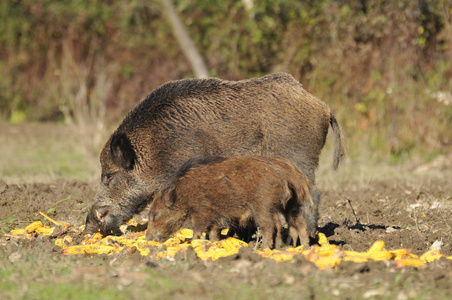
column 100, row 219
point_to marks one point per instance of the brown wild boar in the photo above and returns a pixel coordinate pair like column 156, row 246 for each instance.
column 210, row 194
column 268, row 116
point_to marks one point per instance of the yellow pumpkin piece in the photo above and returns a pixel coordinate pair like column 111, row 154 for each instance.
column 283, row 256
column 137, row 244
column 296, row 250
column 202, row 252
column 431, row 255
column 262, row 253
column 409, row 262
column 18, row 232
column 64, row 241
column 59, row 242
column 186, row 233
column 141, row 237
column 144, row 251
column 87, row 242
column 239, row 242
column 355, row 256
column 307, row 251
column 402, row 254
column 152, row 243
column 90, row 249
column 380, row 255
column 120, row 239
column 45, row 230
column 328, row 250
column 323, row 240
column 171, row 251
column 265, row 253
column 33, row 226
column 218, row 254
column 132, row 222
column 96, row 236
column 200, row 242
column 224, row 231
column 377, row 246
column 232, row 244
column 172, row 242
column 323, row 262
column 377, row 253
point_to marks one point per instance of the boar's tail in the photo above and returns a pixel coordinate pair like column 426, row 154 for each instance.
column 339, row 149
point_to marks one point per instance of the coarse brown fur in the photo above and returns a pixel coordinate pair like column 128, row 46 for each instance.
column 268, row 116
column 213, row 193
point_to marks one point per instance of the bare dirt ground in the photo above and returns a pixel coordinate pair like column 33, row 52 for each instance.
column 410, row 208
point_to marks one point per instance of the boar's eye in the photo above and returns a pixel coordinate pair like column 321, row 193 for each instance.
column 108, row 178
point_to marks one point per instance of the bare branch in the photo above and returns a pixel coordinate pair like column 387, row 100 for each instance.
column 188, row 47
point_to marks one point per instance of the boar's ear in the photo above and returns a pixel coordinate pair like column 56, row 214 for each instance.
column 122, row 151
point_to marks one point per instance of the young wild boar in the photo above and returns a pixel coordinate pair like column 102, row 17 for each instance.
column 268, row 116
column 213, row 193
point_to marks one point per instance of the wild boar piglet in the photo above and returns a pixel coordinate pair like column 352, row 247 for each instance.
column 213, row 193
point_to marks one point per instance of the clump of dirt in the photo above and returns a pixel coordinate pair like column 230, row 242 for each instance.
column 403, row 213
column 64, row 200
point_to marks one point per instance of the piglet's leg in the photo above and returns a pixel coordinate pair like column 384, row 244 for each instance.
column 266, row 223
column 277, row 227
column 298, row 228
column 214, row 233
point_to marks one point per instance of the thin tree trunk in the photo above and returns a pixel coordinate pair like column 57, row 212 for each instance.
column 186, row 43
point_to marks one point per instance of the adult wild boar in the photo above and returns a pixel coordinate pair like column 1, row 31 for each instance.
column 213, row 193
column 269, row 116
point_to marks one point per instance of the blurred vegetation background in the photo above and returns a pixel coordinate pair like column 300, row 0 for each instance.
column 385, row 67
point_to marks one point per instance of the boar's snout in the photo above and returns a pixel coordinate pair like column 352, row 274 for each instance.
column 100, row 219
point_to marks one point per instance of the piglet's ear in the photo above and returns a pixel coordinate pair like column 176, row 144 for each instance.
column 122, row 151
column 169, row 196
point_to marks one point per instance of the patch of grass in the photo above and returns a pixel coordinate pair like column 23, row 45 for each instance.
column 43, row 152
column 51, row 210
column 40, row 274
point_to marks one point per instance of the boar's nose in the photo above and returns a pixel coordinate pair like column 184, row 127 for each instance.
column 100, row 219
column 100, row 213
column 94, row 219
column 108, row 223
